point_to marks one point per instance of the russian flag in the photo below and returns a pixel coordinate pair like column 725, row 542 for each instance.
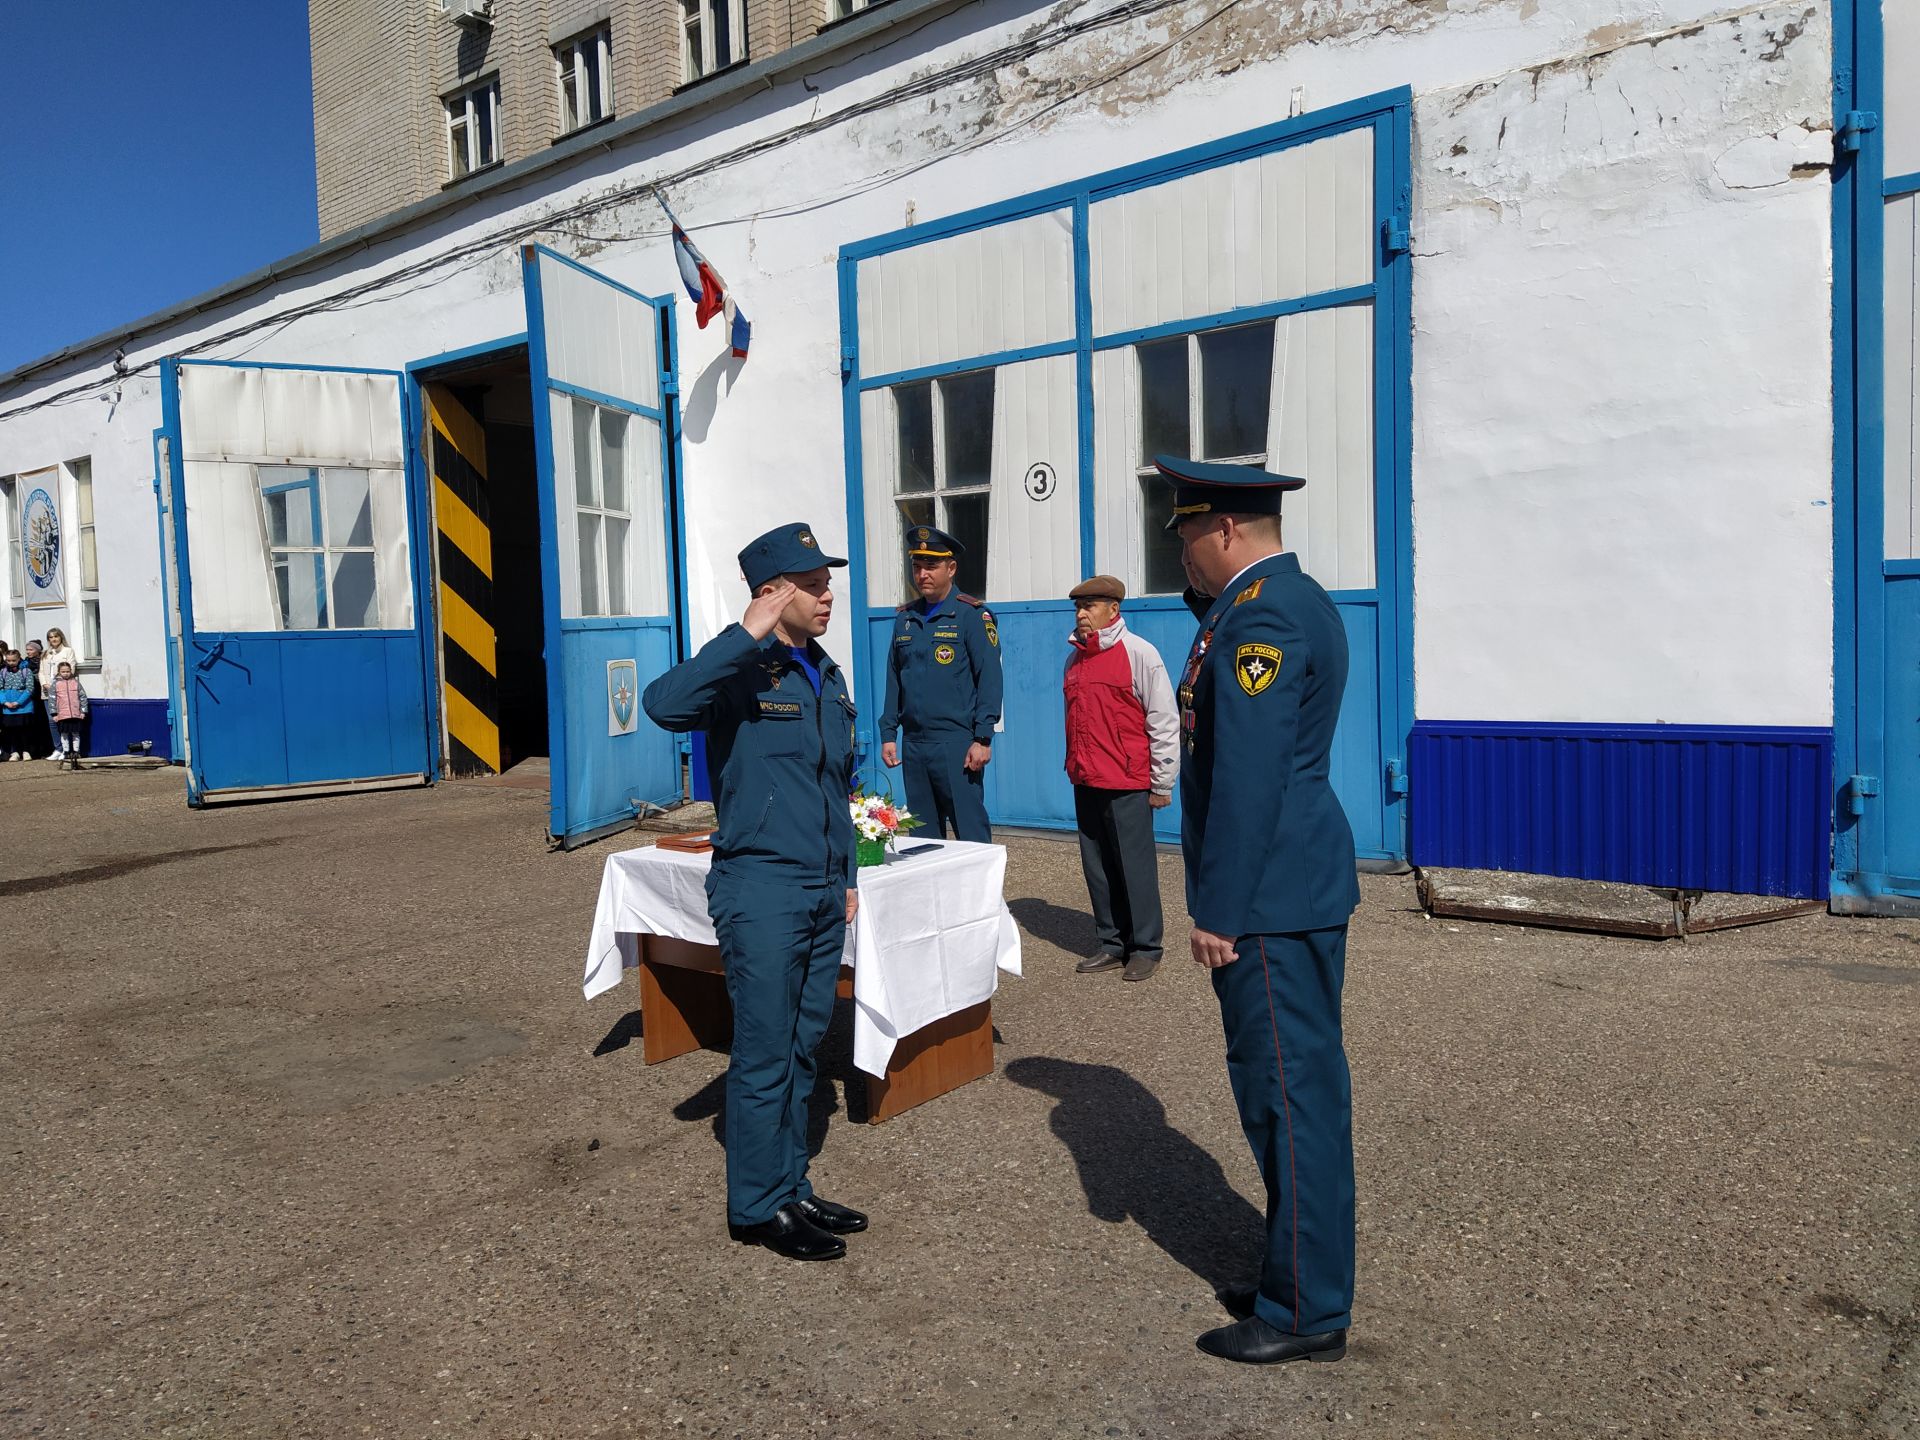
column 708, row 291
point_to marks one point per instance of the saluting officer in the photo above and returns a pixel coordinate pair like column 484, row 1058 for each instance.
column 944, row 690
column 779, row 725
column 1270, row 887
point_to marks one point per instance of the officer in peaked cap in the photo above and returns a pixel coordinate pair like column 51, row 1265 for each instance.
column 779, row 722
column 943, row 690
column 1270, row 887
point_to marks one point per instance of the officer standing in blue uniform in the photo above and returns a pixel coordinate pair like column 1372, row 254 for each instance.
column 779, row 723
column 944, row 689
column 1270, row 887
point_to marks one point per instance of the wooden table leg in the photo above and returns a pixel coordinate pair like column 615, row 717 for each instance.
column 683, row 999
column 942, row 1057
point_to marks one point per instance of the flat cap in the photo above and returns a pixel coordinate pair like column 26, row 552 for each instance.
column 1099, row 587
column 789, row 550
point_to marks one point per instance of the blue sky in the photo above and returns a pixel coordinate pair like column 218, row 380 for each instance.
column 149, row 150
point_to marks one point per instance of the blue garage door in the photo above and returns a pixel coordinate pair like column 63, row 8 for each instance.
column 294, row 520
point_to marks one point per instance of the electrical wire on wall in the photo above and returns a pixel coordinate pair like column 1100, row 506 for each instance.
column 449, row 264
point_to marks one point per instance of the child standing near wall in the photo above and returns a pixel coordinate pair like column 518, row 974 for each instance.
column 16, row 706
column 68, row 706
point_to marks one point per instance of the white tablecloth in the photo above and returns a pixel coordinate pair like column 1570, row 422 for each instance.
column 932, row 934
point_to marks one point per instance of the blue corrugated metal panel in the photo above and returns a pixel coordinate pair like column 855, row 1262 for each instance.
column 1734, row 808
column 112, row 725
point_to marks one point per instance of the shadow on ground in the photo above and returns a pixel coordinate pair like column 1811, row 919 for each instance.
column 1135, row 1166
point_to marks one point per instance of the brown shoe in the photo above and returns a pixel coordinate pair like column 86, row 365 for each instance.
column 1140, row 967
column 1095, row 963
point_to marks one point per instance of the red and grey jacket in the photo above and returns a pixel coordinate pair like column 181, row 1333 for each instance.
column 1123, row 731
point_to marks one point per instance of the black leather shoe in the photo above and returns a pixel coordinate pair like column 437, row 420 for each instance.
column 1237, row 1300
column 1140, row 967
column 1093, row 964
column 791, row 1234
column 1254, row 1342
column 835, row 1219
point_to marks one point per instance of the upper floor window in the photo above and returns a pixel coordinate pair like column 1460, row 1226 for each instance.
column 585, row 68
column 713, row 35
column 841, row 9
column 473, row 128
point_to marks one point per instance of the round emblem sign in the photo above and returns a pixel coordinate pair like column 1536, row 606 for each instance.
column 1040, row 481
column 40, row 531
column 944, row 654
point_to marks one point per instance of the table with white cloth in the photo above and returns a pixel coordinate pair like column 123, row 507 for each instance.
column 926, row 947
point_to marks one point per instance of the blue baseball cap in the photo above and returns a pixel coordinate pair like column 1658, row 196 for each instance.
column 1200, row 486
column 789, row 550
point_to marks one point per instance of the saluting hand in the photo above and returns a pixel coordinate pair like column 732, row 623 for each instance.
column 766, row 609
column 1211, row 950
column 890, row 755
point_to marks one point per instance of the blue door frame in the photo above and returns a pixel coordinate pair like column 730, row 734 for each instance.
column 317, row 709
column 599, row 781
column 1380, row 621
column 1876, row 847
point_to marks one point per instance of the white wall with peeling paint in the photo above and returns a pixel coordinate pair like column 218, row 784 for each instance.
column 1623, row 417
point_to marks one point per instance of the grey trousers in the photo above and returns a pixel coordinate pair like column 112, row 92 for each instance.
column 1123, row 875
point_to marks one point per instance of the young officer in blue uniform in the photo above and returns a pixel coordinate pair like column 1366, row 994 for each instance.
column 1270, row 887
column 944, row 689
column 779, row 724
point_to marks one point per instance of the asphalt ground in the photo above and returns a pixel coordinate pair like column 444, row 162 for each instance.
column 309, row 1133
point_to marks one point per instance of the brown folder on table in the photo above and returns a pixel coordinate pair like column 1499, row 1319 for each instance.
column 697, row 844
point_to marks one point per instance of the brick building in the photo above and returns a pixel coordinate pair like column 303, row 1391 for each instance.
column 411, row 97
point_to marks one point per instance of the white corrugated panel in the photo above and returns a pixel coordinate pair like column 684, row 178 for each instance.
column 1289, row 223
column 1320, row 427
column 1902, row 378
column 1117, row 511
column 1033, row 550
column 231, row 413
column 885, row 560
column 597, row 337
column 1902, row 88
column 226, row 554
column 1006, row 287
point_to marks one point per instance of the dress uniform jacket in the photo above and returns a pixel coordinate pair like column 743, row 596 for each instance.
column 1268, row 848
column 780, row 760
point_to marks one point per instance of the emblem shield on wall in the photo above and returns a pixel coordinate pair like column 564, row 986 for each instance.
column 622, row 695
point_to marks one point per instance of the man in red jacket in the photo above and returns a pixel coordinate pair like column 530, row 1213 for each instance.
column 1123, row 755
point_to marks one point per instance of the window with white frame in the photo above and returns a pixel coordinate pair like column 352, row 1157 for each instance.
column 320, row 550
column 841, row 9
column 713, row 35
column 1204, row 396
column 603, row 507
column 89, row 636
column 945, row 463
column 16, row 564
column 584, row 66
column 473, row 128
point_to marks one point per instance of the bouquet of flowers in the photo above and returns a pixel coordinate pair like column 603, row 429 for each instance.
column 877, row 819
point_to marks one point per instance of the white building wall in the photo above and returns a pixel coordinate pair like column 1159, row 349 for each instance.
column 1622, row 412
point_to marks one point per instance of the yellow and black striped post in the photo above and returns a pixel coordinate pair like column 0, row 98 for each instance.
column 470, row 695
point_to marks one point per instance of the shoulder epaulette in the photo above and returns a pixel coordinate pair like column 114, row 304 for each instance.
column 974, row 601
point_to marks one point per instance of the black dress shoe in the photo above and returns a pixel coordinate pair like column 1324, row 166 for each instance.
column 1093, row 964
column 791, row 1234
column 835, row 1219
column 1237, row 1300
column 1254, row 1342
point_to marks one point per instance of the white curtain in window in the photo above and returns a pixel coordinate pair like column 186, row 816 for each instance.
column 1033, row 548
column 340, row 417
column 392, row 556
column 232, row 584
column 1320, row 427
column 886, row 561
column 560, row 411
column 647, row 540
column 1119, row 537
column 1902, row 387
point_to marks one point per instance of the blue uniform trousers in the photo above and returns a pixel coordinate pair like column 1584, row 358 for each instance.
column 781, row 943
column 1280, row 1005
column 940, row 788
